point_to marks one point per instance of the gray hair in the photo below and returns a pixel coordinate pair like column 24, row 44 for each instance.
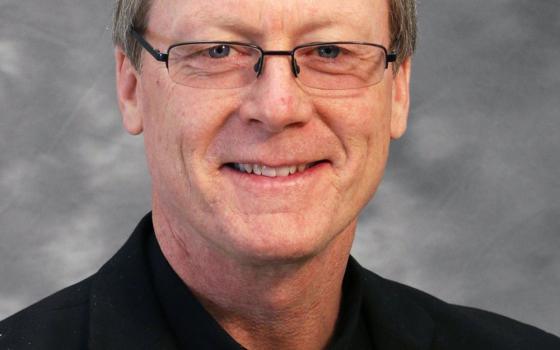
column 134, row 14
column 402, row 25
column 130, row 14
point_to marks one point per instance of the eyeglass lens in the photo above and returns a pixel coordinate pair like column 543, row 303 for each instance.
column 322, row 66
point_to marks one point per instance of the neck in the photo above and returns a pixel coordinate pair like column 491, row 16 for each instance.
column 272, row 305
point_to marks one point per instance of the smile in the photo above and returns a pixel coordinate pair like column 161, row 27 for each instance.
column 263, row 170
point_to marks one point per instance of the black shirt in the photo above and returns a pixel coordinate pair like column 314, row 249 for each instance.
column 195, row 328
column 118, row 308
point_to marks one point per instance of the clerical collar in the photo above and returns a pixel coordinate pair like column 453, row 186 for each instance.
column 195, row 328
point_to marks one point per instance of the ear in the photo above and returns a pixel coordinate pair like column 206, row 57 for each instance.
column 127, row 94
column 401, row 100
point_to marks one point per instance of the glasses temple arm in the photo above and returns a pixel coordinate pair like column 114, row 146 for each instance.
column 162, row 57
column 390, row 57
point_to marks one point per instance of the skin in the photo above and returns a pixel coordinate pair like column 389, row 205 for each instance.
column 265, row 256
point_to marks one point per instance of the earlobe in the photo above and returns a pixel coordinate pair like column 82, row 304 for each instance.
column 127, row 83
column 401, row 100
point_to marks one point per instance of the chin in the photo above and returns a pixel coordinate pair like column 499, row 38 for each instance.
column 278, row 255
column 283, row 244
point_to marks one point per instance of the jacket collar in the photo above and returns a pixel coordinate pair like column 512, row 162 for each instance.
column 124, row 312
column 394, row 319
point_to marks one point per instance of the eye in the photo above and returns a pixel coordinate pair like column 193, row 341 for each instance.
column 219, row 51
column 329, row 51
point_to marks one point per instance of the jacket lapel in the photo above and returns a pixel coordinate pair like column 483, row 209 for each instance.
column 124, row 310
column 393, row 318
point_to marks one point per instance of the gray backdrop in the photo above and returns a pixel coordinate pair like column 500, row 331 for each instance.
column 469, row 208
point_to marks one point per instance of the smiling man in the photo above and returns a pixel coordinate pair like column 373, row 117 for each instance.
column 267, row 127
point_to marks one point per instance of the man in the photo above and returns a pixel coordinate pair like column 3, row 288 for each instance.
column 267, row 127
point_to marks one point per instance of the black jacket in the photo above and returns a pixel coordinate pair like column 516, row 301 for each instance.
column 117, row 309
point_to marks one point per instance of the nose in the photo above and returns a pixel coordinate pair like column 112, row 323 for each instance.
column 276, row 101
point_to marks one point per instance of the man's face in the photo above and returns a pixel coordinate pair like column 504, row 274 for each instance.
column 193, row 136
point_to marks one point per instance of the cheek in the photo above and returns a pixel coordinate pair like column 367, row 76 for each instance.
column 180, row 117
column 181, row 125
column 361, row 122
column 374, row 124
column 375, row 133
column 164, row 131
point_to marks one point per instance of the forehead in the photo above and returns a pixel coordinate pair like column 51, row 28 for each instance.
column 346, row 20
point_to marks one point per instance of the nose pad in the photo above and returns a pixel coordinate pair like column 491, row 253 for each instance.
column 295, row 67
column 258, row 66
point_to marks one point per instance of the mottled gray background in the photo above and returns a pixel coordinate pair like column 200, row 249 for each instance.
column 469, row 209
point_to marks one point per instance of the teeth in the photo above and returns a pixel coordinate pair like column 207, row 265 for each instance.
column 269, row 171
column 283, row 171
column 247, row 168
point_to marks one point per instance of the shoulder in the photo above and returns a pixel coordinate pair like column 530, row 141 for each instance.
column 111, row 309
column 58, row 321
column 461, row 327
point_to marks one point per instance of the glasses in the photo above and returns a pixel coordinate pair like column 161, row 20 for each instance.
column 338, row 65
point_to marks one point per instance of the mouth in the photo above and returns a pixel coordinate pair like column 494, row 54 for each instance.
column 268, row 171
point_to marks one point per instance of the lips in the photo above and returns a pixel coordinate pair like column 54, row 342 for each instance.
column 265, row 170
